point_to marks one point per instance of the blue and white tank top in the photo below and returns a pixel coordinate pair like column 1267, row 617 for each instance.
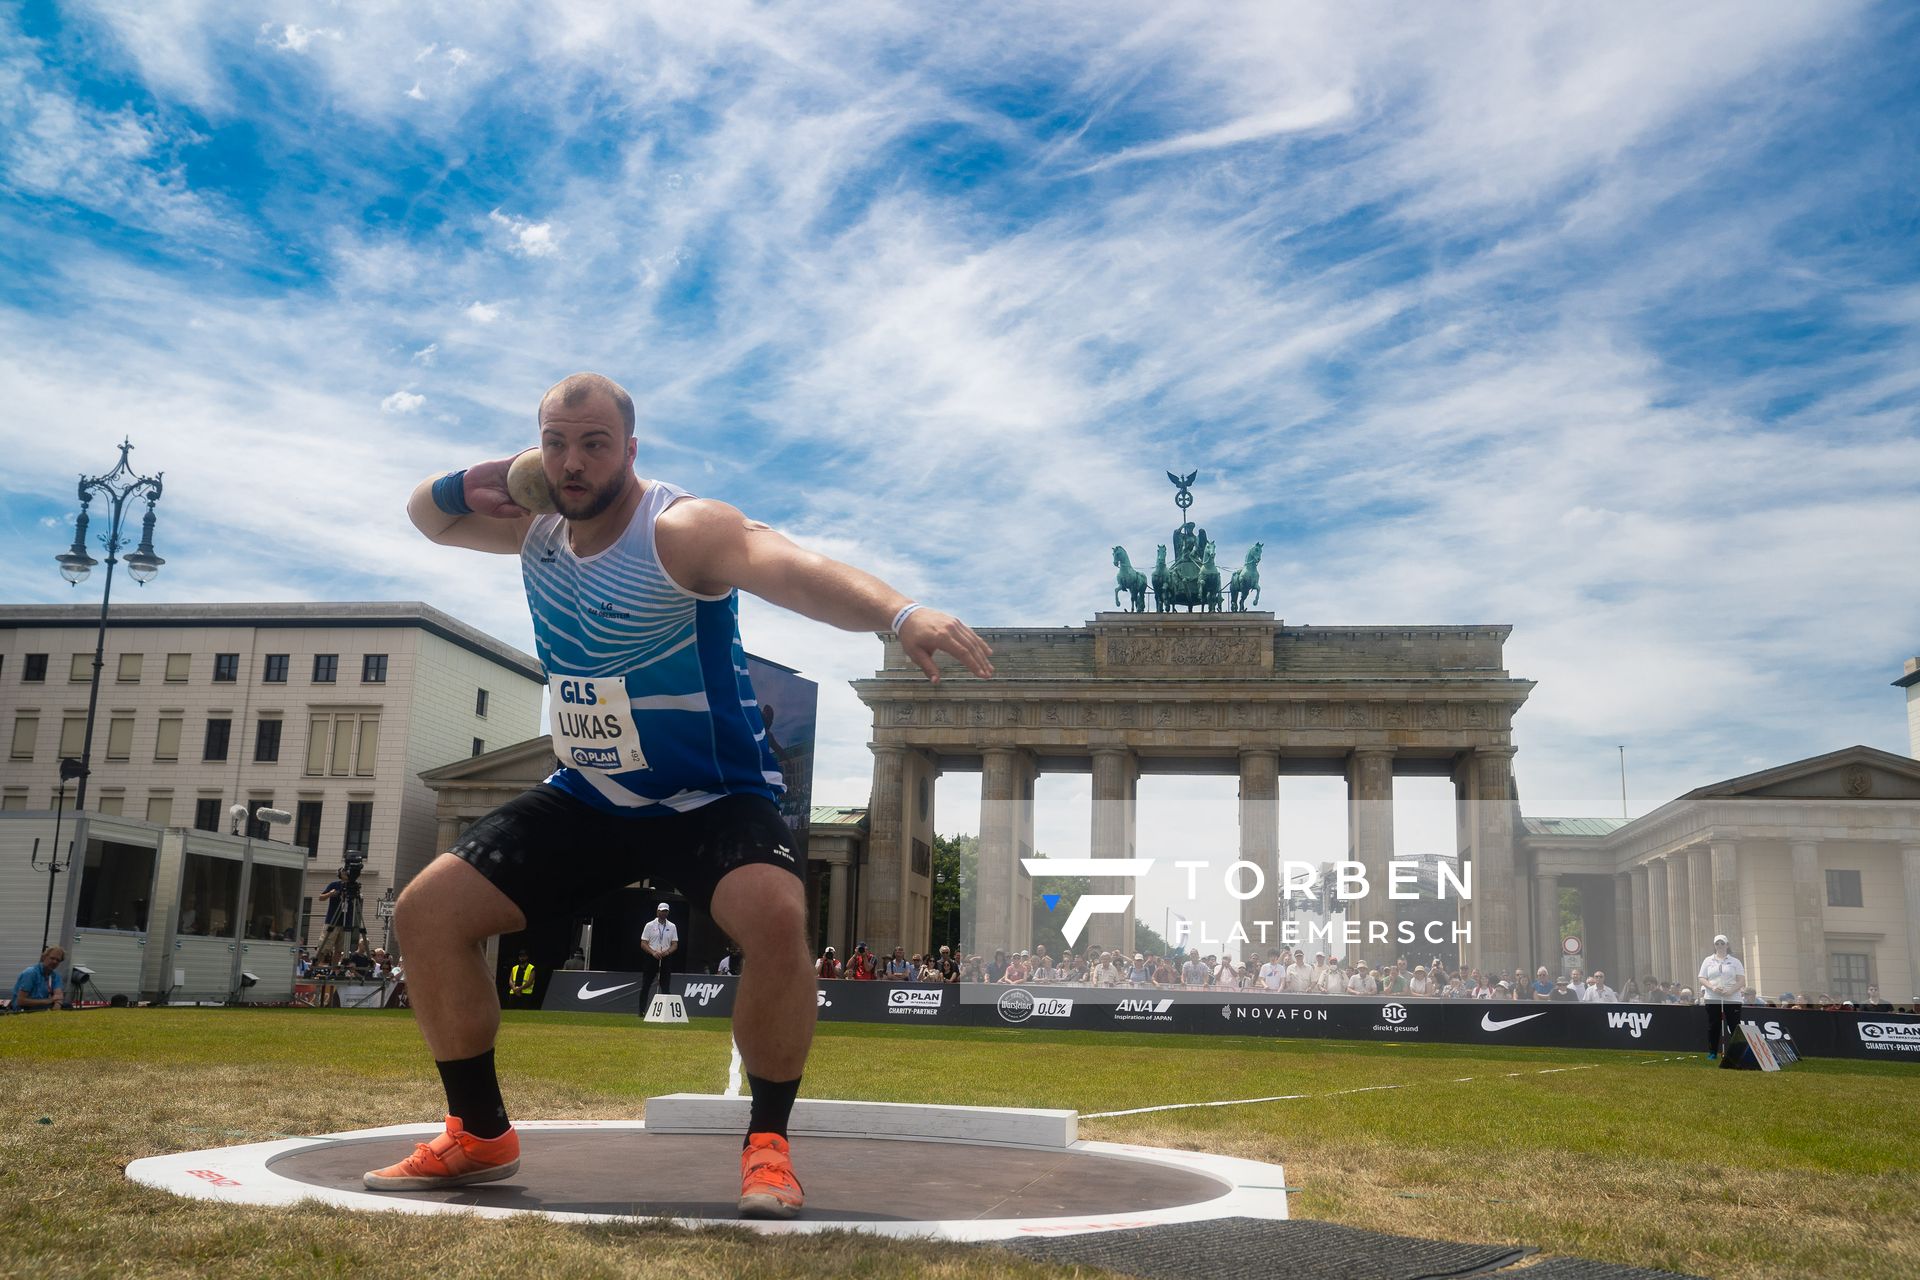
column 651, row 708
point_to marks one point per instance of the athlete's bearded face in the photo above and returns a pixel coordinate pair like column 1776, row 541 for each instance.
column 587, row 455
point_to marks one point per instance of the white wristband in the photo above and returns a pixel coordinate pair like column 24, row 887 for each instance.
column 902, row 616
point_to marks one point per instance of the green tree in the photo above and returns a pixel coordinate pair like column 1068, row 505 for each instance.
column 956, row 860
column 1147, row 939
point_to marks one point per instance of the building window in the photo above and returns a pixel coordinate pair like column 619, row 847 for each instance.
column 255, row 828
column 266, row 742
column 1850, row 973
column 373, row 669
column 480, row 702
column 922, row 858
column 306, row 827
column 276, row 669
column 166, row 742
column 218, row 730
column 226, row 668
column 130, row 665
column 34, row 670
column 209, row 896
column 13, row 802
column 160, row 810
column 1843, row 889
column 326, row 668
column 179, row 666
column 25, row 730
column 114, row 886
column 479, row 747
column 73, row 736
column 359, row 826
column 80, row 669
column 113, row 804
column 120, row 738
column 206, row 813
column 343, row 745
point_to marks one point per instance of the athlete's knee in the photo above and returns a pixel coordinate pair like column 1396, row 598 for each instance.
column 763, row 908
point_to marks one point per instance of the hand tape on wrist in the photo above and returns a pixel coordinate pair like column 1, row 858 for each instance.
column 450, row 493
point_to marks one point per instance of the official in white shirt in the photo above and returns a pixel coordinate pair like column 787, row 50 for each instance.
column 658, row 943
column 1721, row 978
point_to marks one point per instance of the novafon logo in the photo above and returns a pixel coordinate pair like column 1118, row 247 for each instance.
column 904, row 1000
column 1633, row 1022
column 703, row 992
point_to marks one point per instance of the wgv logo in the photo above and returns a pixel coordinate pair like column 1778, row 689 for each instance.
column 1090, row 904
column 703, row 992
column 1633, row 1022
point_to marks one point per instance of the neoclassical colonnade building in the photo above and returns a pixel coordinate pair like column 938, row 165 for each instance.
column 1240, row 694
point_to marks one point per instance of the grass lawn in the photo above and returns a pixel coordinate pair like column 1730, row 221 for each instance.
column 1615, row 1155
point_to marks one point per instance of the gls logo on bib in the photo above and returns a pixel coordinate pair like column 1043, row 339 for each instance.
column 593, row 723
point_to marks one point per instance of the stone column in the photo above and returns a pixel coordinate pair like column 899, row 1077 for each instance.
column 1526, row 921
column 1493, row 876
column 837, row 908
column 1700, row 891
column 1809, row 918
column 1621, row 962
column 1726, row 897
column 1113, row 793
column 1659, row 931
column 1642, row 939
column 888, row 848
column 998, row 869
column 1370, row 836
column 1680, row 917
column 1910, row 869
column 1026, row 773
column 1260, row 839
column 1546, row 923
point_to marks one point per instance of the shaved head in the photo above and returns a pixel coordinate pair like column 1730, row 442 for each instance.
column 575, row 390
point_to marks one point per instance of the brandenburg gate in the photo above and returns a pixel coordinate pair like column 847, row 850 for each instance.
column 1218, row 689
column 1194, row 693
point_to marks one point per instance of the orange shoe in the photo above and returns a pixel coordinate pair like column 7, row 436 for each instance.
column 453, row 1159
column 768, row 1188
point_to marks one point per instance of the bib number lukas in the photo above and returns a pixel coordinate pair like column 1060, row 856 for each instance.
column 593, row 724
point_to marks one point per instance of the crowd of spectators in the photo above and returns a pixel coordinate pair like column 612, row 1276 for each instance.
column 357, row 965
column 1287, row 972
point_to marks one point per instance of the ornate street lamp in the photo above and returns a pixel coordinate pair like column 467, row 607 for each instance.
column 116, row 486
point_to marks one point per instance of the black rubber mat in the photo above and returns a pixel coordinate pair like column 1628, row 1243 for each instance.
column 1588, row 1269
column 1259, row 1249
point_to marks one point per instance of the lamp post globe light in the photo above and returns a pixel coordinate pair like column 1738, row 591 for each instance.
column 116, row 487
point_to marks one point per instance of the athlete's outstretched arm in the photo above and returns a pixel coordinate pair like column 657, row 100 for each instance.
column 498, row 523
column 710, row 547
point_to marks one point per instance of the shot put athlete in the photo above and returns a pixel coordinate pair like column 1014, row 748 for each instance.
column 665, row 771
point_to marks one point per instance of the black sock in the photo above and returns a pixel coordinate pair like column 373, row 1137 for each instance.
column 473, row 1095
column 772, row 1105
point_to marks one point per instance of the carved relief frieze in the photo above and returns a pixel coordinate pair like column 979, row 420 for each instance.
column 1182, row 651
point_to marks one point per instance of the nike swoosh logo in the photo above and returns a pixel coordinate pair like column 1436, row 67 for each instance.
column 588, row 993
column 1488, row 1024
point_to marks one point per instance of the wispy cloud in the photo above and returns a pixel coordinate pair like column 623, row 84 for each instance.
column 1592, row 321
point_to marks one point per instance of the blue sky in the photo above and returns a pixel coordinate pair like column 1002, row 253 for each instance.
column 1599, row 321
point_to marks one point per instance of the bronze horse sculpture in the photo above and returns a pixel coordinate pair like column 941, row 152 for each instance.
column 1130, row 581
column 1246, row 580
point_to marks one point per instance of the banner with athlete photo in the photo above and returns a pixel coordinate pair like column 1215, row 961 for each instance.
column 789, row 705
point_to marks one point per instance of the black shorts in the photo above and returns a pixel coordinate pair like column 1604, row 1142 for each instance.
column 552, row 853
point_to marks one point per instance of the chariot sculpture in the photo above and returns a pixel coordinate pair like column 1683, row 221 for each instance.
column 1191, row 579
